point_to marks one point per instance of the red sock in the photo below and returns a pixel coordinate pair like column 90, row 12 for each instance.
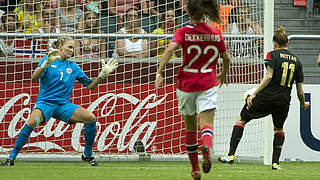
column 206, row 135
column 192, row 149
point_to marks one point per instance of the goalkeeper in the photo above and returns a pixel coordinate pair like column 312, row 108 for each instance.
column 273, row 97
column 57, row 76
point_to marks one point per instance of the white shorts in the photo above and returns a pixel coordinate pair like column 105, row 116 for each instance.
column 195, row 102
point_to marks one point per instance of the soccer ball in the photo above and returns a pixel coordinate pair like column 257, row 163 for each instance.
column 138, row 147
column 248, row 93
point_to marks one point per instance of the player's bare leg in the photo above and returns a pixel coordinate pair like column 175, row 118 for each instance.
column 278, row 141
column 206, row 122
column 84, row 116
column 236, row 136
column 192, row 144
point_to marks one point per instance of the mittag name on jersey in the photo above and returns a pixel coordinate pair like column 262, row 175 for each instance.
column 202, row 37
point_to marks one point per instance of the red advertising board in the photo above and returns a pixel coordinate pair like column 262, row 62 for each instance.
column 128, row 108
column 125, row 113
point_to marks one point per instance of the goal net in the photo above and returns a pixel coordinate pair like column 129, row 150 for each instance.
column 127, row 105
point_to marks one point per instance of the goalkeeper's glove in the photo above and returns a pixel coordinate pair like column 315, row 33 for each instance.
column 108, row 68
column 51, row 57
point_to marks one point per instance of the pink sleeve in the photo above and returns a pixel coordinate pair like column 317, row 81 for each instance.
column 178, row 37
column 222, row 45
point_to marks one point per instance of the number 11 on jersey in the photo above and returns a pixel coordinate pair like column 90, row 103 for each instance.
column 286, row 66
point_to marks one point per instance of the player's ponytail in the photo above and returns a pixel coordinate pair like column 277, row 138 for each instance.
column 61, row 41
column 280, row 37
column 199, row 8
column 211, row 10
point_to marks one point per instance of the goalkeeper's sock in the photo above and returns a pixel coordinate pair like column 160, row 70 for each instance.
column 89, row 135
column 235, row 138
column 206, row 135
column 192, row 149
column 22, row 139
column 278, row 141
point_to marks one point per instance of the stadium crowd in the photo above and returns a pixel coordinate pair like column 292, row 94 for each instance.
column 113, row 16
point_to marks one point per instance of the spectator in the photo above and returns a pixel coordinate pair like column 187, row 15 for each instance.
column 70, row 18
column 50, row 22
column 224, row 12
column 8, row 6
column 318, row 60
column 240, row 23
column 48, row 4
column 159, row 7
column 3, row 4
column 168, row 25
column 50, row 25
column 104, row 7
column 55, row 4
column 1, row 14
column 183, row 5
column 121, row 6
column 29, row 13
column 136, row 48
column 91, row 47
column 10, row 25
column 90, row 5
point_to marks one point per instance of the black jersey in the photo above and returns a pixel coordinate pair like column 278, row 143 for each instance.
column 287, row 69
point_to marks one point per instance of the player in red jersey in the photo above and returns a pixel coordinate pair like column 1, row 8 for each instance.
column 273, row 96
column 197, row 79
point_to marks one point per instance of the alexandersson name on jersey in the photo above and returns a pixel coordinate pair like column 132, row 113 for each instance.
column 202, row 37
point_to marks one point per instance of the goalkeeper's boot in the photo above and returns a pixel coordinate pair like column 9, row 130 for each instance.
column 90, row 160
column 8, row 162
column 206, row 160
column 226, row 159
column 276, row 167
column 196, row 175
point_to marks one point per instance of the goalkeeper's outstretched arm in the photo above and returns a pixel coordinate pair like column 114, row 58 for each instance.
column 51, row 57
column 106, row 69
column 36, row 74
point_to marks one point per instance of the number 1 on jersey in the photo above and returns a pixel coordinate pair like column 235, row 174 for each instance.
column 61, row 76
column 286, row 66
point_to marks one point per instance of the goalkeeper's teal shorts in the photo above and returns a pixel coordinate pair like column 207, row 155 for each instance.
column 61, row 112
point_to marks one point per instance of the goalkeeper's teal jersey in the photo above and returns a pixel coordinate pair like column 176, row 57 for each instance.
column 56, row 81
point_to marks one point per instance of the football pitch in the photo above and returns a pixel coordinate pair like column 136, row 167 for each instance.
column 26, row 170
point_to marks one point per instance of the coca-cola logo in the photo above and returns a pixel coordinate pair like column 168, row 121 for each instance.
column 115, row 131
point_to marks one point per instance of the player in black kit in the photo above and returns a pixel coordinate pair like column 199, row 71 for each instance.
column 272, row 96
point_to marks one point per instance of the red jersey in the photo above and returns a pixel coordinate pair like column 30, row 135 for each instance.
column 201, row 46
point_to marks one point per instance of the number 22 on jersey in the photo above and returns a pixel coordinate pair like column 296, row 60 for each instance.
column 204, row 68
column 286, row 66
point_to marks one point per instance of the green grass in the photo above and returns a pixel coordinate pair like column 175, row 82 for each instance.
column 154, row 171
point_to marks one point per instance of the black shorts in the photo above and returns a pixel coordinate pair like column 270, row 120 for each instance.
column 262, row 107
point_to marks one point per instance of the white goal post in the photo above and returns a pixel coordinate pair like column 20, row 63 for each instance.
column 127, row 106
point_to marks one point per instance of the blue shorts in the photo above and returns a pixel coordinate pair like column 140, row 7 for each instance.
column 60, row 112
